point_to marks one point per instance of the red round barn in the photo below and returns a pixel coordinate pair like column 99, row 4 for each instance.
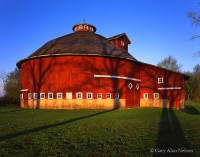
column 84, row 70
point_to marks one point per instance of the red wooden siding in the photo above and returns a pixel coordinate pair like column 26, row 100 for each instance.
column 149, row 84
column 76, row 74
column 117, row 42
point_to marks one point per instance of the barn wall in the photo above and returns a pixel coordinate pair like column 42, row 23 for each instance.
column 69, row 74
column 76, row 74
column 171, row 91
column 117, row 42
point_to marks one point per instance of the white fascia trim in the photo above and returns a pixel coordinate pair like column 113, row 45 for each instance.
column 24, row 90
column 118, row 77
column 169, row 88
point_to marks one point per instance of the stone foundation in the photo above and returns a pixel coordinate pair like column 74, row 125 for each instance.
column 154, row 103
column 162, row 103
column 74, row 104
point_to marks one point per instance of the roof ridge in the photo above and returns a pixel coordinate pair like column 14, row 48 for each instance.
column 118, row 36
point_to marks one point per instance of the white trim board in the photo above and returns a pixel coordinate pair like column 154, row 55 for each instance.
column 169, row 88
column 117, row 77
column 24, row 90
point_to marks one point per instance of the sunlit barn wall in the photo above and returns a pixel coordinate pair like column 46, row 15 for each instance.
column 171, row 91
column 76, row 74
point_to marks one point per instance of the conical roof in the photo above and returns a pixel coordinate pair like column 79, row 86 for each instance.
column 79, row 43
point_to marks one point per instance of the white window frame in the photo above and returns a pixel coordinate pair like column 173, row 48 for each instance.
column 42, row 95
column 99, row 95
column 59, row 95
column 160, row 80
column 154, row 95
column 29, row 95
column 79, row 95
column 69, row 95
column 108, row 95
column 35, row 95
column 122, row 43
column 116, row 95
column 49, row 95
column 21, row 96
column 146, row 96
column 80, row 27
column 89, row 95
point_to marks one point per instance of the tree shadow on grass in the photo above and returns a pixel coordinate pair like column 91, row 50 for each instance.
column 26, row 132
column 171, row 140
column 191, row 110
column 10, row 111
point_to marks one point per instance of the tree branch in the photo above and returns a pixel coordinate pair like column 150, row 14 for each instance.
column 196, row 54
column 194, row 37
column 195, row 18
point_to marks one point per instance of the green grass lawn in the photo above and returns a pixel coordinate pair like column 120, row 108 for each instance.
column 132, row 132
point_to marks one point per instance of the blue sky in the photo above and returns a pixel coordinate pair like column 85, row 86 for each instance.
column 156, row 28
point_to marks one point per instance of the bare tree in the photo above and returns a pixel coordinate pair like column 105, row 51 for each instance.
column 3, row 76
column 195, row 19
column 170, row 63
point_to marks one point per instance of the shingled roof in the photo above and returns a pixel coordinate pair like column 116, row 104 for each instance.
column 120, row 36
column 79, row 43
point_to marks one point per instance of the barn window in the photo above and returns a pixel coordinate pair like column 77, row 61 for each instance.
column 50, row 95
column 116, row 95
column 89, row 95
column 21, row 96
column 99, row 95
column 42, row 95
column 68, row 95
column 35, row 95
column 108, row 95
column 29, row 96
column 79, row 95
column 122, row 43
column 160, row 80
column 91, row 29
column 145, row 95
column 156, row 95
column 80, row 27
column 59, row 95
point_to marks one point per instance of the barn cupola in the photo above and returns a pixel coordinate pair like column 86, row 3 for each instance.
column 121, row 41
column 84, row 27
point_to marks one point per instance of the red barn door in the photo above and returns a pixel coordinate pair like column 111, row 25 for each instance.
column 24, row 98
column 132, row 94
